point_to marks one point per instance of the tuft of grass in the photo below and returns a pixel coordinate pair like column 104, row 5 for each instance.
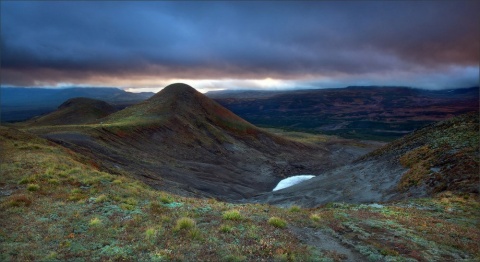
column 33, row 187
column 52, row 256
column 26, row 180
column 166, row 200
column 150, row 233
column 195, row 233
column 234, row 258
column 226, row 228
column 184, row 223
column 232, row 215
column 76, row 191
column 156, row 208
column 53, row 181
column 125, row 206
column 277, row 222
column 101, row 198
column 18, row 201
column 389, row 252
column 315, row 217
column 294, row 209
column 117, row 182
column 95, row 222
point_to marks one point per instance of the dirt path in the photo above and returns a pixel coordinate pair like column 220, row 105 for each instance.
column 324, row 242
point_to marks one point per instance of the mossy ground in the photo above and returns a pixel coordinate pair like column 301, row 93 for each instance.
column 448, row 158
column 77, row 212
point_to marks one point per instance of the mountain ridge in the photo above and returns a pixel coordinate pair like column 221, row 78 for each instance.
column 374, row 113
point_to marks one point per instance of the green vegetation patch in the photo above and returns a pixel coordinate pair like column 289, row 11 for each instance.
column 232, row 215
column 277, row 222
column 185, row 223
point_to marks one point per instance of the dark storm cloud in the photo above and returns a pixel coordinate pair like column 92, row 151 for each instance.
column 60, row 41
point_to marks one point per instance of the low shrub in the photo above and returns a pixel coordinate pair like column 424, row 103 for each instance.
column 226, row 229
column 26, row 180
column 232, row 215
column 166, row 200
column 184, row 223
column 95, row 222
column 295, row 209
column 195, row 233
column 315, row 217
column 150, row 233
column 33, row 187
column 101, row 198
column 18, row 200
column 277, row 222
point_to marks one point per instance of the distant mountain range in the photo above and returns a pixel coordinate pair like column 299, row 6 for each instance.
column 359, row 112
column 19, row 104
column 378, row 113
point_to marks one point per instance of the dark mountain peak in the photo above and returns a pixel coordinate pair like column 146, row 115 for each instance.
column 75, row 111
column 177, row 95
column 182, row 102
column 191, row 114
column 83, row 101
column 179, row 88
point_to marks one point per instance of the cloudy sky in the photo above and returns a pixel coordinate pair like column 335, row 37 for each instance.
column 143, row 46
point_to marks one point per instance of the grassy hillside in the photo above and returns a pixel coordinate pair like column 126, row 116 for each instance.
column 443, row 156
column 55, row 205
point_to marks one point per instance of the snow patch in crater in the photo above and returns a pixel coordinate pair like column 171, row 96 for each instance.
column 290, row 181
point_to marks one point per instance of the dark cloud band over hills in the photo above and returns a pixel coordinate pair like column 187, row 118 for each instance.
column 433, row 44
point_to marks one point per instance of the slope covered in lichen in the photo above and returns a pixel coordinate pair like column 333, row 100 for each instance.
column 443, row 157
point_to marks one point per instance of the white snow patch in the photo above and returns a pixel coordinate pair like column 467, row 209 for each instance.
column 290, row 181
column 375, row 205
